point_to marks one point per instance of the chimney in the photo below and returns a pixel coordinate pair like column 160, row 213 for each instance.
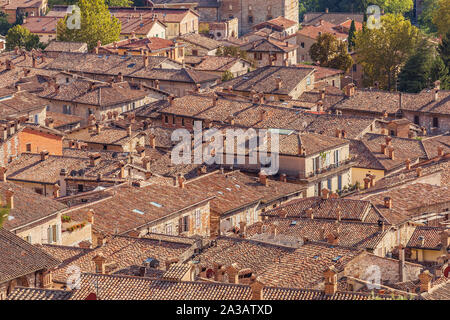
column 99, row 261
column 233, row 273
column 33, row 61
column 129, row 131
column 49, row 122
column 388, row 202
column 55, row 191
column 146, row 163
column 440, row 151
column 94, row 159
column 181, row 180
column 326, row 10
column 279, row 82
column 263, row 179
column 242, row 227
column 338, row 213
column 445, row 241
column 401, row 258
column 44, row 155
column 257, row 290
column 372, row 179
column 3, row 174
column 338, row 133
column 170, row 99
column 330, row 276
column 408, row 164
column 325, row 193
column 391, row 153
column 90, row 216
column 388, row 140
column 145, row 61
column 383, row 148
column 419, row 171
column 436, row 95
column 9, row 198
column 425, row 281
column 283, row 177
column 156, row 82
column 322, row 94
column 349, row 90
column 98, row 128
column 310, row 213
column 366, row 182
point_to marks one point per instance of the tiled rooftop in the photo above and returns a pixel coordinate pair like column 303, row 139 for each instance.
column 431, row 237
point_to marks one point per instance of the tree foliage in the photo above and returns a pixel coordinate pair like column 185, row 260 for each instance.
column 97, row 24
column 382, row 52
column 394, row 6
column 426, row 17
column 4, row 24
column 4, row 212
column 441, row 17
column 331, row 52
column 119, row 3
column 351, row 36
column 227, row 75
column 21, row 37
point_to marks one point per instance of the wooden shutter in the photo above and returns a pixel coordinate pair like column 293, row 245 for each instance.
column 49, row 235
column 54, row 233
column 180, row 225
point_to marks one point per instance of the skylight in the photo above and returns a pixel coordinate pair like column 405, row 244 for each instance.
column 156, row 204
column 336, row 259
column 131, row 65
column 293, row 223
column 220, row 192
column 138, row 211
column 10, row 218
column 229, row 189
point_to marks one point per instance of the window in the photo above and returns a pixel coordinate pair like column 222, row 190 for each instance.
column 336, row 157
column 28, row 239
column 258, row 55
column 435, row 122
column 230, row 7
column 38, row 190
column 80, row 188
column 173, row 119
column 308, row 81
column 250, row 19
column 67, row 80
column 166, row 119
column 185, row 226
column 417, row 120
column 339, row 182
column 392, row 133
column 329, row 184
column 169, row 228
column 66, row 109
column 195, row 52
column 198, row 216
column 182, row 122
column 302, row 44
column 28, row 147
column 354, row 68
column 36, row 118
column 255, row 215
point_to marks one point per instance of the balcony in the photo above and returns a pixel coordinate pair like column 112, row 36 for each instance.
column 329, row 170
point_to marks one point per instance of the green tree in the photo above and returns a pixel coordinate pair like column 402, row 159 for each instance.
column 394, row 6
column 21, row 37
column 331, row 52
column 351, row 36
column 416, row 74
column 227, row 75
column 441, row 17
column 426, row 17
column 444, row 49
column 4, row 24
column 119, row 3
column 4, row 212
column 439, row 71
column 97, row 24
column 382, row 52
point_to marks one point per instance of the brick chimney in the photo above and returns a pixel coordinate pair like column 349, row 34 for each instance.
column 388, row 140
column 419, row 171
column 49, row 123
column 3, row 174
column 99, row 261
column 170, row 99
column 366, row 182
column 310, row 213
column 9, row 195
column 257, row 290
column 445, row 240
column 145, row 61
column 181, row 180
column 129, row 131
column 279, row 83
column 242, row 228
column 263, row 179
column 349, row 90
column 233, row 273
column 322, row 94
column 408, row 164
column 94, row 159
column 388, row 202
column 338, row 133
column 283, row 177
column 425, row 281
column 383, row 148
column 330, row 283
column 440, row 151
column 325, row 193
column 98, row 128
column 391, row 153
column 146, row 163
column 436, row 95
column 44, row 155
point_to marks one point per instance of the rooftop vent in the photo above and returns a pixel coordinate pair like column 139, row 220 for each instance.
column 336, row 259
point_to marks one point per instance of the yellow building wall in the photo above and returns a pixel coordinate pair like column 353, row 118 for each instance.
column 425, row 255
column 358, row 174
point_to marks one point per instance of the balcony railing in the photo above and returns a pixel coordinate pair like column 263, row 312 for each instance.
column 343, row 164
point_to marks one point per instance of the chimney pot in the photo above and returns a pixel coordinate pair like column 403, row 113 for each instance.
column 440, row 151
column 44, row 155
column 330, row 276
column 10, row 198
column 3, row 174
column 408, row 164
column 388, row 202
column 419, row 171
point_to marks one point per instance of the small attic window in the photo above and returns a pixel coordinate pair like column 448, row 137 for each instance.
column 131, row 65
column 293, row 223
column 220, row 192
column 229, row 189
column 156, row 204
column 336, row 259
column 138, row 211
